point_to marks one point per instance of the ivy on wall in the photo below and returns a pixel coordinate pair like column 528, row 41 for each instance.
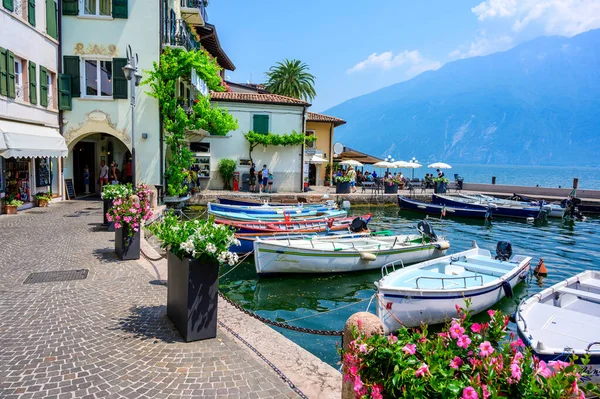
column 282, row 140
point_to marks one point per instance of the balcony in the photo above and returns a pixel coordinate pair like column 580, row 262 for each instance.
column 194, row 12
column 177, row 33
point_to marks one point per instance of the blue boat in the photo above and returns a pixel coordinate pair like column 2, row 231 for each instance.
column 451, row 211
column 245, row 217
column 256, row 202
column 266, row 209
column 509, row 211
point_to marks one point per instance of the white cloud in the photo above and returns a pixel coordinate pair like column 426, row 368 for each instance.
column 413, row 62
column 482, row 45
column 495, row 8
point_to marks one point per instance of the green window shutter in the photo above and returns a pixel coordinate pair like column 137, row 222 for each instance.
column 118, row 80
column 31, row 12
column 51, row 23
column 64, row 92
column 8, row 4
column 70, row 7
column 43, row 87
column 261, row 124
column 3, row 72
column 119, row 8
column 71, row 67
column 32, row 83
column 10, row 71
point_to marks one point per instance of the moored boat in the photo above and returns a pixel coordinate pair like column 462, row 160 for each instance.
column 428, row 292
column 553, row 210
column 311, row 215
column 450, row 211
column 563, row 320
column 503, row 210
column 247, row 201
column 294, row 226
column 268, row 210
column 345, row 254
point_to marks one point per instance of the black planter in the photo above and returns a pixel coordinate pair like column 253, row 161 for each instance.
column 107, row 205
column 393, row 189
column 127, row 248
column 192, row 297
column 342, row 188
column 440, row 188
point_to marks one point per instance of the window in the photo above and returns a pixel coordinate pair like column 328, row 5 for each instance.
column 19, row 88
column 310, row 144
column 97, row 8
column 260, row 124
column 97, row 75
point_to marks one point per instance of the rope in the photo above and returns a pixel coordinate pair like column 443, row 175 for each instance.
column 389, row 311
column 241, row 260
column 329, row 311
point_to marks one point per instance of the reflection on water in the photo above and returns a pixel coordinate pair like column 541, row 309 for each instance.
column 566, row 248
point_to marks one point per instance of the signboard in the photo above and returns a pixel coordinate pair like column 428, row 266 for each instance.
column 245, row 162
column 43, row 177
column 69, row 189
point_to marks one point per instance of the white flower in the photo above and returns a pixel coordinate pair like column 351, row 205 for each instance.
column 211, row 248
column 236, row 242
column 187, row 246
column 196, row 221
column 222, row 257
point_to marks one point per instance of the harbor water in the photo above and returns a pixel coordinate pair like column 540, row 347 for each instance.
column 326, row 301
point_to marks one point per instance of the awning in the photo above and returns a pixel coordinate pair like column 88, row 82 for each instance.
column 349, row 153
column 24, row 140
column 316, row 160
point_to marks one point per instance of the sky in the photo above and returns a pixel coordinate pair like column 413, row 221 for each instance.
column 356, row 47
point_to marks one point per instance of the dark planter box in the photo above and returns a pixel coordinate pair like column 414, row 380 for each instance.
column 393, row 189
column 440, row 188
column 127, row 248
column 192, row 297
column 106, row 207
column 342, row 188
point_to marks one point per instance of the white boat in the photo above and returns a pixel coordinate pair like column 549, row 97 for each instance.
column 429, row 291
column 325, row 254
column 554, row 210
column 563, row 320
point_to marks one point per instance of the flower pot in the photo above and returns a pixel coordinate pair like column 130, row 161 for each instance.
column 10, row 209
column 342, row 188
column 127, row 248
column 440, row 188
column 327, row 183
column 42, row 203
column 192, row 296
column 391, row 189
column 107, row 204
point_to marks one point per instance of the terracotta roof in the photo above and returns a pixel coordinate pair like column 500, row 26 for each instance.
column 256, row 98
column 314, row 117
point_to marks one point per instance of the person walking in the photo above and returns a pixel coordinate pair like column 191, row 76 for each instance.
column 352, row 175
column 103, row 178
column 252, row 185
column 265, row 178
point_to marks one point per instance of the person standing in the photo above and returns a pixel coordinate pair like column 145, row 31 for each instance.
column 352, row 175
column 265, row 178
column 114, row 174
column 127, row 172
column 252, row 187
column 103, row 179
column 270, row 182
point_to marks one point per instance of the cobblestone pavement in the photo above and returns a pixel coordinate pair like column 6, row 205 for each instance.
column 107, row 336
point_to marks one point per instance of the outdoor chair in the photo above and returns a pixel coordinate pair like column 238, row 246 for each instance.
column 368, row 185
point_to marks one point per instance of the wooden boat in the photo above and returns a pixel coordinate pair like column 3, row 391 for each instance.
column 345, row 254
column 267, row 209
column 429, row 291
column 248, row 201
column 554, row 210
column 244, row 217
column 294, row 226
column 433, row 209
column 503, row 210
column 563, row 320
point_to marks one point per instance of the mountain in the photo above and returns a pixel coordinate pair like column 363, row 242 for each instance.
column 536, row 104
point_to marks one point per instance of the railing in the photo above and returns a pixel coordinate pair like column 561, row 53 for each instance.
column 199, row 4
column 50, row 99
column 449, row 278
column 176, row 32
column 19, row 93
column 18, row 8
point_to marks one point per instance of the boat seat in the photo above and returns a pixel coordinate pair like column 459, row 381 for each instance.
column 486, row 261
column 475, row 267
column 590, row 283
column 580, row 294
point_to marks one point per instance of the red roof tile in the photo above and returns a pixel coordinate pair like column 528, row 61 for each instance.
column 256, row 98
column 314, row 117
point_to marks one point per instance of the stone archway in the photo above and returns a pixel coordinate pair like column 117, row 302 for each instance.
column 95, row 122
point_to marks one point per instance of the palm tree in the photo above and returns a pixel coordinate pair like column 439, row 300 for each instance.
column 291, row 78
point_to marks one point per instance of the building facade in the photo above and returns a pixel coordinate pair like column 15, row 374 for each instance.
column 321, row 150
column 31, row 146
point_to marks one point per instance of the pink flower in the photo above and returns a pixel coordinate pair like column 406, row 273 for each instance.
column 543, row 370
column 117, row 225
column 359, row 323
column 362, row 348
column 515, row 371
column 491, row 313
column 456, row 330
column 353, row 370
column 456, row 362
column 486, row 393
column 109, row 218
column 485, row 349
column 458, row 309
column 443, row 335
column 476, row 327
column 392, row 339
column 421, row 371
column 557, row 364
column 463, row 341
column 118, row 218
column 376, row 392
column 357, row 384
column 410, row 349
column 470, row 393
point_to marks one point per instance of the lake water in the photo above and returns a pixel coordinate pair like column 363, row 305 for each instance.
column 566, row 248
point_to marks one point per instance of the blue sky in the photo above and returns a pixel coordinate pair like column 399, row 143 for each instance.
column 355, row 47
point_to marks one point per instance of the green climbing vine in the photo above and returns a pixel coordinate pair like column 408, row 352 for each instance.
column 176, row 64
column 282, row 140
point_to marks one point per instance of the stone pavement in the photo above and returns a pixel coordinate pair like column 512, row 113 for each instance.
column 106, row 336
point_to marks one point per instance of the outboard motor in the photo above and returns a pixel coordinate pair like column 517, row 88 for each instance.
column 503, row 250
column 426, row 229
column 571, row 208
column 358, row 225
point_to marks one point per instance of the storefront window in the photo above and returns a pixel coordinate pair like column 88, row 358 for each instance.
column 17, row 178
column 42, row 172
column 1, row 175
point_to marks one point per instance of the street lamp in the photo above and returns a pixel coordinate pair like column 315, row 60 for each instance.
column 134, row 77
column 413, row 160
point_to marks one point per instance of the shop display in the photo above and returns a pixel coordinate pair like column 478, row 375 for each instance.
column 43, row 176
column 17, row 178
column 202, row 165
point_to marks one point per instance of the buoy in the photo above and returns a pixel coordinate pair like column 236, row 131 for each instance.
column 540, row 269
column 442, row 245
column 368, row 256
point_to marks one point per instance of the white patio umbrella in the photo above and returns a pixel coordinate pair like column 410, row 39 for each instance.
column 385, row 164
column 351, row 162
column 402, row 164
column 439, row 165
column 413, row 164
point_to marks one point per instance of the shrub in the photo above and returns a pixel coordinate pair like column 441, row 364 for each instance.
column 466, row 360
column 226, row 168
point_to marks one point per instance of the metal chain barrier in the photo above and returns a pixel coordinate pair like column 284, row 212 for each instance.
column 331, row 333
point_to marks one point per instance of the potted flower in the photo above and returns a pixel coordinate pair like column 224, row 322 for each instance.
column 327, row 180
column 111, row 193
column 43, row 199
column 196, row 249
column 129, row 215
column 11, row 204
column 440, row 185
column 391, row 185
column 342, row 185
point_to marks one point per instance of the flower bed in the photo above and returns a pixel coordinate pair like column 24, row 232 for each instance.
column 466, row 360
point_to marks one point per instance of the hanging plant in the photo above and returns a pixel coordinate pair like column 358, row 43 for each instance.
column 282, row 140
